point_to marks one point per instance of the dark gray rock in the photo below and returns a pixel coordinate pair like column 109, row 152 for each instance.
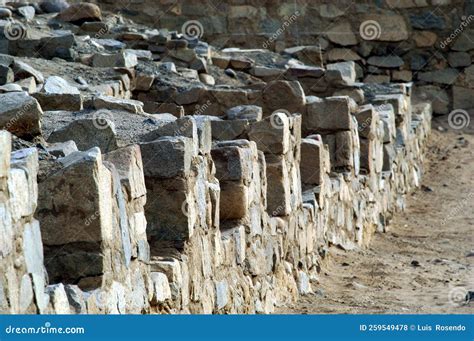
column 444, row 76
column 459, row 59
column 245, row 112
column 427, row 21
column 88, row 133
column 167, row 157
column 60, row 45
column 464, row 42
column 386, row 61
column 20, row 114
column 23, row 70
column 5, row 13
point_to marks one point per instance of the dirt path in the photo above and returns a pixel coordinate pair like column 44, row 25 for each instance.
column 425, row 263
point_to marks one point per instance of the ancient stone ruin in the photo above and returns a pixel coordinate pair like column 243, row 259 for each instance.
column 145, row 171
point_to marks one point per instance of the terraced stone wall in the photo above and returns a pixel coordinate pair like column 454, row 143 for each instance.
column 426, row 41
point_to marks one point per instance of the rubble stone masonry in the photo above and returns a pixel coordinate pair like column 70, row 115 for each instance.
column 427, row 41
column 144, row 172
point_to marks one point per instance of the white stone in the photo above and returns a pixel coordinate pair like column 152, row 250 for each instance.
column 222, row 294
column 26, row 293
column 303, row 283
column 27, row 160
column 19, row 193
column 6, row 231
column 161, row 287
column 58, row 298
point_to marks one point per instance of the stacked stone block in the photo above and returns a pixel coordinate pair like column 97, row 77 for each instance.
column 230, row 208
column 23, row 276
column 222, row 240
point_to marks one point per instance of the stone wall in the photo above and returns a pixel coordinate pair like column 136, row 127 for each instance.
column 236, row 226
column 170, row 178
column 426, row 41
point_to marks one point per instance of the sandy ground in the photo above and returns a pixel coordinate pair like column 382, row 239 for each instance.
column 425, row 263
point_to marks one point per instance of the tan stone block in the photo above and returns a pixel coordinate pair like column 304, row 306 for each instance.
column 75, row 203
column 328, row 114
column 234, row 201
column 272, row 135
column 278, row 187
column 283, row 95
column 129, row 165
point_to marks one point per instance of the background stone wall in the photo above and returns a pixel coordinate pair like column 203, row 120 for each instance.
column 427, row 41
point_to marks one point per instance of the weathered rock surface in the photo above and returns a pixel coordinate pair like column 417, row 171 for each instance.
column 88, row 133
column 283, row 95
column 20, row 114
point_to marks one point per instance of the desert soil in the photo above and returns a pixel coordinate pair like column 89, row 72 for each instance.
column 425, row 262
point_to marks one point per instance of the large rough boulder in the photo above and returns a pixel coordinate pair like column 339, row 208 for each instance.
column 272, row 134
column 23, row 70
column 343, row 73
column 58, row 85
column 168, row 157
column 283, row 95
column 313, row 163
column 58, row 94
column 88, row 133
